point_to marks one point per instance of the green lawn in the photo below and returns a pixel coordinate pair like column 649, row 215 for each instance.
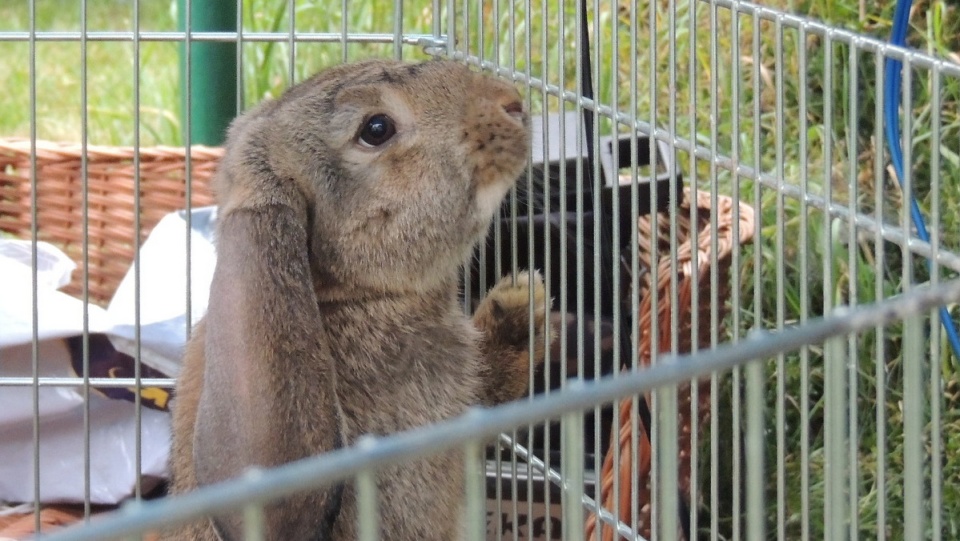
column 110, row 65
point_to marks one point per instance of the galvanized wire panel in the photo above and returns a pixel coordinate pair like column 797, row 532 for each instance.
column 467, row 429
column 812, row 437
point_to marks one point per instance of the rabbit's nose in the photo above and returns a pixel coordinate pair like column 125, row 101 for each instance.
column 515, row 109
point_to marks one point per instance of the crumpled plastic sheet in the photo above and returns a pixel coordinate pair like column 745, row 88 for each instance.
column 62, row 451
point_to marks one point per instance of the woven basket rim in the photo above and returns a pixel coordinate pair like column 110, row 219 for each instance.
column 20, row 145
column 55, row 174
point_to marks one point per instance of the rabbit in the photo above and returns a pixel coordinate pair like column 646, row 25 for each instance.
column 346, row 208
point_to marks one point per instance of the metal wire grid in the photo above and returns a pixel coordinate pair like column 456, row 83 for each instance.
column 828, row 190
column 470, row 430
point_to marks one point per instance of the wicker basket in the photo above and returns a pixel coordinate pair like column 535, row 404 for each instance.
column 688, row 255
column 110, row 208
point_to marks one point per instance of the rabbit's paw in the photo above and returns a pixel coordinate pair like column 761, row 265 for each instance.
column 504, row 318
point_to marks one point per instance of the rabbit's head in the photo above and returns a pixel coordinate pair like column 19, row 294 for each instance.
column 399, row 167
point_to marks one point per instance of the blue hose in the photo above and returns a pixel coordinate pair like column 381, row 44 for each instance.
column 891, row 109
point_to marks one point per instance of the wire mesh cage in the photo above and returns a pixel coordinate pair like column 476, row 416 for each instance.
column 752, row 296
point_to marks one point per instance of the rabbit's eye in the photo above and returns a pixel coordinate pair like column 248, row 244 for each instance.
column 377, row 130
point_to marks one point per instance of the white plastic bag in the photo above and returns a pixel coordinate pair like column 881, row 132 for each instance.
column 164, row 268
column 110, row 344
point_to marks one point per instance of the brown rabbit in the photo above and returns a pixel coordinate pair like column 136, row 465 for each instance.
column 346, row 208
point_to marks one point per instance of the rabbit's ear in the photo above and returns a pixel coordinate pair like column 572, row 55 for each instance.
column 268, row 390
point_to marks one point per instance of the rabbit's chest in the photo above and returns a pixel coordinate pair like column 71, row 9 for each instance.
column 407, row 384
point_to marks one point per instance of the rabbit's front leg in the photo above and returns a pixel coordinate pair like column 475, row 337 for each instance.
column 503, row 318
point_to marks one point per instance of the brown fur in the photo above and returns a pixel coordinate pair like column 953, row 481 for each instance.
column 333, row 309
column 504, row 318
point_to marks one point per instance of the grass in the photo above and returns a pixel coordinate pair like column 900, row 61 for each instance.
column 110, row 118
column 816, row 262
column 110, row 72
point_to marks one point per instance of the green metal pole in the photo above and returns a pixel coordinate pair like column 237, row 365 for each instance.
column 213, row 71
